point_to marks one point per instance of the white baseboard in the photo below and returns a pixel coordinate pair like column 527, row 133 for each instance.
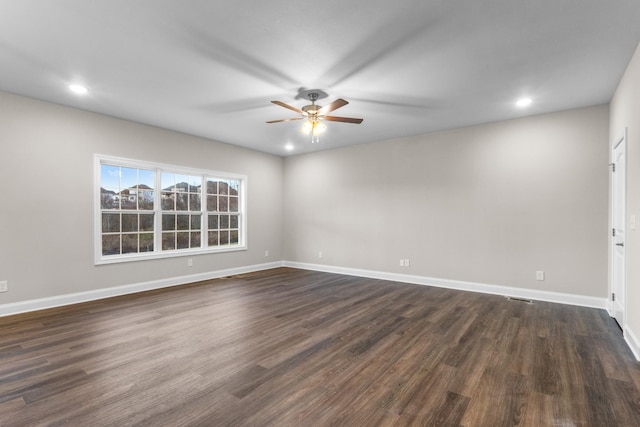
column 61, row 300
column 557, row 297
column 632, row 342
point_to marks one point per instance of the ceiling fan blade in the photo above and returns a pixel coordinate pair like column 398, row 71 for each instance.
column 285, row 120
column 343, row 119
column 290, row 107
column 333, row 106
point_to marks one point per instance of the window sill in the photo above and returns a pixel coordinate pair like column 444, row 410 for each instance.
column 116, row 259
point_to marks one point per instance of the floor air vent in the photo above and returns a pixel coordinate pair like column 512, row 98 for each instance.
column 528, row 301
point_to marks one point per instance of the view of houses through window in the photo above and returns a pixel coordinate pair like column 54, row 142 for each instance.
column 149, row 210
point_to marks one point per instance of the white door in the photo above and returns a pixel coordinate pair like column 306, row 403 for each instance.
column 618, row 218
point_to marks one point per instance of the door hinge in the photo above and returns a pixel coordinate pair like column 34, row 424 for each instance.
column 613, row 296
column 613, row 167
column 613, row 232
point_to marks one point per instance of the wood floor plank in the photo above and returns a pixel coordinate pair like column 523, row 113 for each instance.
column 288, row 347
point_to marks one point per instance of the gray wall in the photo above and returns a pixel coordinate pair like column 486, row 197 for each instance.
column 46, row 219
column 487, row 204
column 625, row 112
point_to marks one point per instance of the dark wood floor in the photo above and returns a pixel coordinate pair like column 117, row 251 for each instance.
column 290, row 347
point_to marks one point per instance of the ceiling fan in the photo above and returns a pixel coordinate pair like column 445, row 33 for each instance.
column 314, row 114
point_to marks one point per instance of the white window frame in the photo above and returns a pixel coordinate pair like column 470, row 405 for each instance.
column 157, row 253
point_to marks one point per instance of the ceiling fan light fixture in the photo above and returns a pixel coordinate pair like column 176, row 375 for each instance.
column 314, row 127
column 318, row 128
column 307, row 127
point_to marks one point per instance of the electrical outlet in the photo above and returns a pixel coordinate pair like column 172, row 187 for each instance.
column 266, row 253
column 4, row 286
column 190, row 262
column 320, row 254
column 401, row 262
column 539, row 275
column 406, row 263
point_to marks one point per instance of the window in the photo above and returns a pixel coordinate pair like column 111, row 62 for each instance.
column 223, row 215
column 147, row 210
column 181, row 211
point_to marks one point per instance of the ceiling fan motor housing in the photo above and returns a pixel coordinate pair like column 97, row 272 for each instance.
column 311, row 109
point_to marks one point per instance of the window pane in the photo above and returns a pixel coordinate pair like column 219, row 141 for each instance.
column 223, row 187
column 213, row 222
column 146, row 178
column 182, row 181
column 194, row 202
column 233, row 187
column 168, row 241
column 111, row 244
column 182, row 201
column 195, row 183
column 145, row 198
column 129, row 199
column 110, row 176
column 168, row 201
column 183, row 222
column 212, row 203
column 212, row 186
column 233, row 237
column 195, row 222
column 145, row 185
column 168, row 222
column 146, row 242
column 224, row 238
column 128, row 177
column 146, row 222
column 233, row 221
column 213, row 238
column 129, row 243
column 223, row 204
column 233, row 204
column 167, row 181
column 195, row 239
column 129, row 222
column 109, row 198
column 224, row 221
column 183, row 240
column 111, row 222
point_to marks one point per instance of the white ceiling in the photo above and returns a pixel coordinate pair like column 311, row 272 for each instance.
column 408, row 67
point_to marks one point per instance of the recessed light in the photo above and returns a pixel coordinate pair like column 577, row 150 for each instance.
column 524, row 102
column 78, row 89
column 289, row 147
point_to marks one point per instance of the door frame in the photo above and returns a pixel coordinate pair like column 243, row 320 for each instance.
column 620, row 140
